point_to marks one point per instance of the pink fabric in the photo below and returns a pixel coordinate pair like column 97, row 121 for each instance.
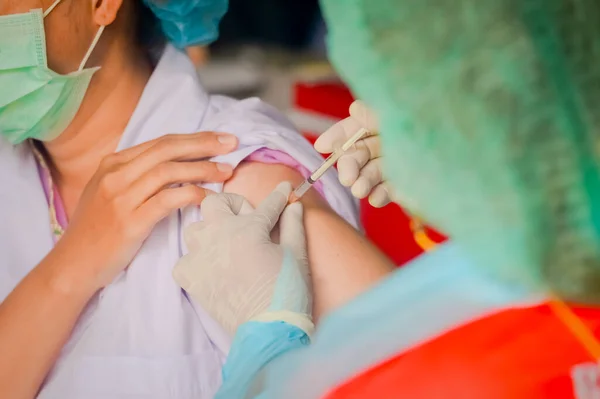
column 59, row 207
column 268, row 156
column 264, row 155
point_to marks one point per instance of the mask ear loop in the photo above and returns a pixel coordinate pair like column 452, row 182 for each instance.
column 92, row 46
column 49, row 10
column 94, row 42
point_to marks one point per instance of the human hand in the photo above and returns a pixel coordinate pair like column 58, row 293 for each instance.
column 359, row 168
column 237, row 273
column 131, row 192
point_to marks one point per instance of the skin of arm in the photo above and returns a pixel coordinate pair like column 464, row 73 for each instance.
column 343, row 262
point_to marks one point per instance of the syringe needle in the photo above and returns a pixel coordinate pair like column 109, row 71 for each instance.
column 328, row 163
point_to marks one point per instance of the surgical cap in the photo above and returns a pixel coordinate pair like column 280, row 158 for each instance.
column 490, row 124
column 189, row 22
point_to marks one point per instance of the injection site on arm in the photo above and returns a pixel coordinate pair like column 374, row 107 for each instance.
column 343, row 262
column 328, row 163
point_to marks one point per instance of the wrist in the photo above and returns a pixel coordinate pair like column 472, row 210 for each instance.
column 302, row 321
column 66, row 276
column 255, row 346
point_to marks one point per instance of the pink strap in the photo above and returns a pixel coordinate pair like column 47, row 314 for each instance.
column 268, row 156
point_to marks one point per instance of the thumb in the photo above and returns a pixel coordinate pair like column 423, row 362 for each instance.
column 334, row 137
column 216, row 207
column 293, row 287
column 292, row 233
column 271, row 207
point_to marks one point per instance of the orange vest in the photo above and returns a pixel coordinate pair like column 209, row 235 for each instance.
column 522, row 353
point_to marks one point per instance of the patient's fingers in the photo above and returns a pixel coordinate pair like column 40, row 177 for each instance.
column 130, row 153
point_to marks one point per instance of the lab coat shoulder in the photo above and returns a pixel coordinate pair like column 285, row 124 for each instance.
column 251, row 114
column 259, row 125
column 434, row 294
column 174, row 101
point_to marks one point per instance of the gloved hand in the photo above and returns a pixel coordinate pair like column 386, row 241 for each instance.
column 359, row 168
column 237, row 273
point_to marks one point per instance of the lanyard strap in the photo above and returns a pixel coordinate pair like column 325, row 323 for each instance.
column 420, row 234
column 57, row 229
column 577, row 327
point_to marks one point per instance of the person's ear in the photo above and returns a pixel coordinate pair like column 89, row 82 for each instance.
column 105, row 11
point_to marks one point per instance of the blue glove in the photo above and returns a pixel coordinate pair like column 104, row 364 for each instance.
column 283, row 327
column 189, row 22
column 255, row 345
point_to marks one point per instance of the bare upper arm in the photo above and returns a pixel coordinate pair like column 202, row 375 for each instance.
column 343, row 262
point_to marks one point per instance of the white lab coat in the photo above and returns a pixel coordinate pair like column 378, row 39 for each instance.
column 141, row 337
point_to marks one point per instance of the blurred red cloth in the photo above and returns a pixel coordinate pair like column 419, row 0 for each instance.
column 331, row 99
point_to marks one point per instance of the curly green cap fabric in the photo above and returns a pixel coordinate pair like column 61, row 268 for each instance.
column 490, row 115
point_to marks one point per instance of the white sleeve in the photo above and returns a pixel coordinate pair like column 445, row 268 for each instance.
column 259, row 125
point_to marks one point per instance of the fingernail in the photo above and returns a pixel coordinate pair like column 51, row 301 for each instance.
column 224, row 167
column 227, row 139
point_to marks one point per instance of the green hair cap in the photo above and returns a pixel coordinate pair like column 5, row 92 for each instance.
column 490, row 115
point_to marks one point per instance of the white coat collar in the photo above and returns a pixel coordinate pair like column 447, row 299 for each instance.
column 175, row 79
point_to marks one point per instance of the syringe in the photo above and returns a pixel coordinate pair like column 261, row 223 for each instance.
column 328, row 163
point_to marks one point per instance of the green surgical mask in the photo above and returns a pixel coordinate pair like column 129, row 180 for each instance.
column 35, row 102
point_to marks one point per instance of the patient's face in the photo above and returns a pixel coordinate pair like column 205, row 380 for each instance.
column 69, row 29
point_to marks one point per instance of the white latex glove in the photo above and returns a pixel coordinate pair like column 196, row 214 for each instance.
column 237, row 273
column 359, row 168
